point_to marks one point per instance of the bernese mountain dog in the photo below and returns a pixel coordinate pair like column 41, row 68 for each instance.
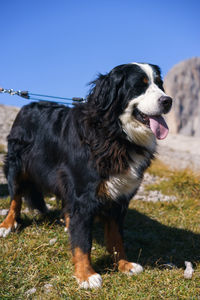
column 92, row 156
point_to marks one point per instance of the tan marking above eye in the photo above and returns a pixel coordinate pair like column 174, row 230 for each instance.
column 146, row 80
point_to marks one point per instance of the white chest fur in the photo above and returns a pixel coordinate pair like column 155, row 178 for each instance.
column 127, row 183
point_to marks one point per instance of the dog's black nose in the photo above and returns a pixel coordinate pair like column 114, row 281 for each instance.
column 166, row 103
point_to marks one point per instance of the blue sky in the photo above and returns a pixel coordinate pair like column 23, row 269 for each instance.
column 57, row 47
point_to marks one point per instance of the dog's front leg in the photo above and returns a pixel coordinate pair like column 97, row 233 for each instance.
column 10, row 222
column 114, row 245
column 80, row 229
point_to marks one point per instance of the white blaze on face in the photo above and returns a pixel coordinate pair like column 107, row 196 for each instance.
column 148, row 102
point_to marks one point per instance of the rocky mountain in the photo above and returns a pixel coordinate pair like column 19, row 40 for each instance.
column 7, row 116
column 182, row 83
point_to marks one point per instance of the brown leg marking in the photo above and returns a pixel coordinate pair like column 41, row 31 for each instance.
column 67, row 220
column 13, row 214
column 114, row 245
column 84, row 273
column 113, row 240
column 82, row 262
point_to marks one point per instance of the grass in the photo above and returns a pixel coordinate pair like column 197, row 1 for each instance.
column 2, row 149
column 155, row 234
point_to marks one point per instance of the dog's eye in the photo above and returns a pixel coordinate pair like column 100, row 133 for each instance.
column 145, row 80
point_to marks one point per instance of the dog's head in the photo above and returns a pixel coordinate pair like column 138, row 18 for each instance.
column 134, row 94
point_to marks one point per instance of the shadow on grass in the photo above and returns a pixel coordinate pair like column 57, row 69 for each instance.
column 158, row 244
column 52, row 217
column 153, row 244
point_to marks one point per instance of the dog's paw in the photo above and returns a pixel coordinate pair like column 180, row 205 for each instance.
column 5, row 231
column 129, row 268
column 93, row 282
column 136, row 269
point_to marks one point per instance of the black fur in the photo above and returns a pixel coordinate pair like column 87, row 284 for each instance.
column 70, row 152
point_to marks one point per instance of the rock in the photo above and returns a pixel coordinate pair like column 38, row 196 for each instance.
column 48, row 288
column 52, row 241
column 180, row 152
column 7, row 116
column 189, row 270
column 182, row 83
column 151, row 196
column 3, row 212
column 30, row 292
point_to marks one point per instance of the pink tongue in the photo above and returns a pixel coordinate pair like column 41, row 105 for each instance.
column 159, row 127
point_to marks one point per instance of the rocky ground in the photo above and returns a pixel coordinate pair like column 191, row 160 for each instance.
column 180, row 152
column 176, row 151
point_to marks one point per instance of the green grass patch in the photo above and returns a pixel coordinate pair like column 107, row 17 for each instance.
column 155, row 234
column 183, row 183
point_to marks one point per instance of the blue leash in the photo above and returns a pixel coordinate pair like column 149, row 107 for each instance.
column 28, row 95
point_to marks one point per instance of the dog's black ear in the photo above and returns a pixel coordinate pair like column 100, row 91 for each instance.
column 156, row 69
column 105, row 90
column 158, row 77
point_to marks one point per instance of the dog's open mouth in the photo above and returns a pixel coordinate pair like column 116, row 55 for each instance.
column 157, row 124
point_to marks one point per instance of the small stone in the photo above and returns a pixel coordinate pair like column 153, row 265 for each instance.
column 3, row 212
column 189, row 270
column 52, row 241
column 31, row 291
column 48, row 287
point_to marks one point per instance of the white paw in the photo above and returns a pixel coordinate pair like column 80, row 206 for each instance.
column 93, row 282
column 136, row 269
column 4, row 231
